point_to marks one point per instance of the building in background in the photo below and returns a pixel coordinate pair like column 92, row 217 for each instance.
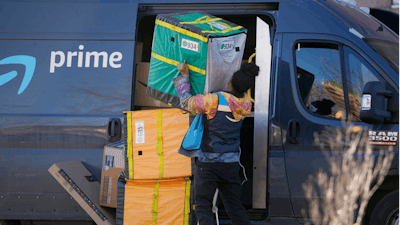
column 387, row 11
column 386, row 5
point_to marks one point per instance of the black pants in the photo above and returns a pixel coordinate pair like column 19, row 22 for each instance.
column 224, row 176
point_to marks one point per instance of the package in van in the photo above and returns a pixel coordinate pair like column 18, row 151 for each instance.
column 153, row 138
column 164, row 201
column 212, row 47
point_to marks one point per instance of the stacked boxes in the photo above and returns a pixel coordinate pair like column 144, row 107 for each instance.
column 157, row 189
column 152, row 143
column 165, row 201
column 113, row 165
column 212, row 47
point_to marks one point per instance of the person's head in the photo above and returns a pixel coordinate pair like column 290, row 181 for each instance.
column 243, row 79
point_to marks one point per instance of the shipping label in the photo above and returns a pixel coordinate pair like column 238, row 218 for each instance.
column 139, row 127
column 218, row 25
column 108, row 162
column 190, row 45
column 227, row 45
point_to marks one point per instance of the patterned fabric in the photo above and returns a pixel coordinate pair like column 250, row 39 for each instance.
column 241, row 107
column 208, row 104
column 202, row 104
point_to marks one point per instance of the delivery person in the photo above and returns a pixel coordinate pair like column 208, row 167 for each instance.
column 217, row 163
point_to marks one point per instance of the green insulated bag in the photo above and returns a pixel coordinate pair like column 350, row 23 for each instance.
column 212, row 47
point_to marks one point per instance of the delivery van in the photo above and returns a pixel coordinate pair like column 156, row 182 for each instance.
column 68, row 70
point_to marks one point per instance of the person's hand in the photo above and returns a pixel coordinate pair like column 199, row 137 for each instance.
column 183, row 67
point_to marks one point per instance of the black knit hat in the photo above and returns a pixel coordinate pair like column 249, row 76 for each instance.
column 243, row 79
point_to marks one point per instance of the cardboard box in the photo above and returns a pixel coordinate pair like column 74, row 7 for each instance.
column 139, row 51
column 113, row 165
column 141, row 98
column 153, row 140
column 84, row 188
column 157, row 202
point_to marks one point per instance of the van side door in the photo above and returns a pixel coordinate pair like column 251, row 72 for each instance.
column 321, row 78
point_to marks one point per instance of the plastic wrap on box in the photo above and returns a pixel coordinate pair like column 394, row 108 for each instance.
column 153, row 138
column 164, row 201
column 121, row 203
column 212, row 47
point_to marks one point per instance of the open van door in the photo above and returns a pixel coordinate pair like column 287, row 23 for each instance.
column 261, row 114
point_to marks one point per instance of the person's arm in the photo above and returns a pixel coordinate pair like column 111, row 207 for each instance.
column 199, row 104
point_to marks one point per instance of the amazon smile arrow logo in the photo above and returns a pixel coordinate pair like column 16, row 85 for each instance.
column 28, row 61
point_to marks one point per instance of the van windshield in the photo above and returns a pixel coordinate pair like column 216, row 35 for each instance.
column 388, row 50
column 377, row 35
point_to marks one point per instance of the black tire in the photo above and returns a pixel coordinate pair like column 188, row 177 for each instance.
column 10, row 222
column 386, row 212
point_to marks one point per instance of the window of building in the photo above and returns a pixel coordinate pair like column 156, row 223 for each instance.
column 319, row 78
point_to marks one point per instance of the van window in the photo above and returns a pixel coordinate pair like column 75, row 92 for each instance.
column 319, row 78
column 358, row 73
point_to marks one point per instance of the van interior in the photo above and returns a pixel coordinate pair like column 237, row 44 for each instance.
column 145, row 36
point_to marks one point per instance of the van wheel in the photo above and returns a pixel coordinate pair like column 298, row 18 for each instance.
column 386, row 212
column 10, row 222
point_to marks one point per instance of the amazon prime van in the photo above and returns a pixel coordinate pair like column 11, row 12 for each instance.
column 68, row 70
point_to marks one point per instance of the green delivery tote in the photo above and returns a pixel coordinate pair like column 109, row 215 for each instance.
column 212, row 47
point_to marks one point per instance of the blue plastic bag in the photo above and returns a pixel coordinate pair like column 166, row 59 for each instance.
column 192, row 139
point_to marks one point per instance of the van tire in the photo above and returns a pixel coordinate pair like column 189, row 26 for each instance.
column 10, row 222
column 386, row 212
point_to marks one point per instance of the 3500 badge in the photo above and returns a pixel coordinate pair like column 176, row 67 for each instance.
column 383, row 138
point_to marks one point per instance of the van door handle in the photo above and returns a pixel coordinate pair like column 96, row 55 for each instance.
column 114, row 129
column 294, row 131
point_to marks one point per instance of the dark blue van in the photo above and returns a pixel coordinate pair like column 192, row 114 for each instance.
column 68, row 71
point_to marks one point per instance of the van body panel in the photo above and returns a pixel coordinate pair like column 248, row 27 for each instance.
column 48, row 20
column 29, row 192
column 62, row 79
column 278, row 189
column 66, row 71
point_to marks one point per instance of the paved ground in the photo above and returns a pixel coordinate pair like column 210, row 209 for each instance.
column 271, row 221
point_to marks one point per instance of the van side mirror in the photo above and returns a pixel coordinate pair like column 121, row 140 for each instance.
column 374, row 103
